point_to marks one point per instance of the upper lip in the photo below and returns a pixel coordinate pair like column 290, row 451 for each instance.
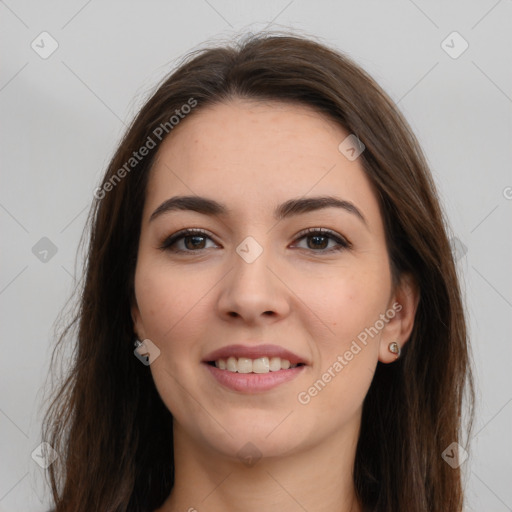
column 254, row 352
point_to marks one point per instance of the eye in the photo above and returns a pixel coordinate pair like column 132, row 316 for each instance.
column 186, row 240
column 319, row 240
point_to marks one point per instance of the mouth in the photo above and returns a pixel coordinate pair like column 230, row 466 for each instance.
column 253, row 368
column 258, row 365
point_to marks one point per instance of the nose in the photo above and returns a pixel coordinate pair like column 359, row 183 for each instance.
column 253, row 292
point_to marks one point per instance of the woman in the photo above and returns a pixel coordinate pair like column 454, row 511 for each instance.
column 270, row 317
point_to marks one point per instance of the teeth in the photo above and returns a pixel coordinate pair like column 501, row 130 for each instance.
column 232, row 364
column 244, row 365
column 275, row 364
column 260, row 365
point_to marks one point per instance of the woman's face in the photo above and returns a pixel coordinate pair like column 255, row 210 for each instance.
column 258, row 288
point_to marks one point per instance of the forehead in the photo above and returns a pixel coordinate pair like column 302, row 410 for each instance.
column 251, row 154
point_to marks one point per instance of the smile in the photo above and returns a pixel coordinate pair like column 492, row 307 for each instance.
column 252, row 368
column 259, row 365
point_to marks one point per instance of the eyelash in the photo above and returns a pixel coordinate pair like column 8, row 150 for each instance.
column 342, row 242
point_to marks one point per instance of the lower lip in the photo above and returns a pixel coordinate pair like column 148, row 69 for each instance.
column 253, row 382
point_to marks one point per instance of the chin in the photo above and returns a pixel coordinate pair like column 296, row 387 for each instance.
column 252, row 435
column 250, row 448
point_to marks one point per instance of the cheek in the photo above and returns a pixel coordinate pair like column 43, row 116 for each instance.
column 172, row 306
column 167, row 299
column 347, row 303
column 350, row 305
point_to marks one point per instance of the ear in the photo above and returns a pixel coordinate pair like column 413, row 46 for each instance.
column 404, row 303
column 138, row 326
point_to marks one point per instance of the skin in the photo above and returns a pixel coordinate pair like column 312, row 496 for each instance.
column 253, row 156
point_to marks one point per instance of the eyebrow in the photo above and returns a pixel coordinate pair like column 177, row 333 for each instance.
column 285, row 210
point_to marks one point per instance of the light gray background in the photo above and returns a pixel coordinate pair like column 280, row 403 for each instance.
column 63, row 116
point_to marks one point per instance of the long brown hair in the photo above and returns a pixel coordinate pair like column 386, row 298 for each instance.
column 106, row 419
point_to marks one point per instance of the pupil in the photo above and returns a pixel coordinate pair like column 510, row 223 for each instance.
column 197, row 241
column 320, row 245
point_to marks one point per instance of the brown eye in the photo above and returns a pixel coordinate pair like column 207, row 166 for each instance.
column 186, row 241
column 194, row 242
column 323, row 240
column 318, row 242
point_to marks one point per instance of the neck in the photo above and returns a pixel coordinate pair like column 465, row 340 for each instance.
column 316, row 478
